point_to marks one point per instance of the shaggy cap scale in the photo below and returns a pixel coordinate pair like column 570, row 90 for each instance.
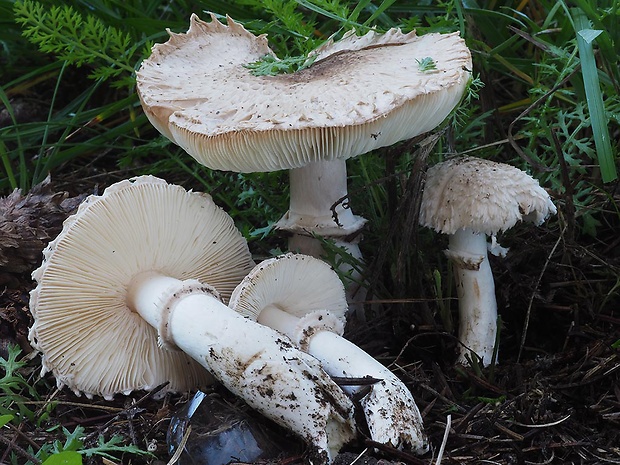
column 481, row 195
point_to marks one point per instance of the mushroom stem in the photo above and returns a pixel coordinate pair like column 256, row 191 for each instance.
column 319, row 205
column 476, row 292
column 319, row 200
column 251, row 360
column 390, row 410
column 469, row 199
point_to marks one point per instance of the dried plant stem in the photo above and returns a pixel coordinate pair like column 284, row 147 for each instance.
column 445, row 440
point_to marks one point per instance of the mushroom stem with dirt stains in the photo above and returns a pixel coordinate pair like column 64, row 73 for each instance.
column 303, row 298
column 130, row 295
column 470, row 199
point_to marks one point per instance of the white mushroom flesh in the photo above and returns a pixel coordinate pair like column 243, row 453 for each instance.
column 303, row 298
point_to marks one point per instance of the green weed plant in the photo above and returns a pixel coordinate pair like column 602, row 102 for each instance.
column 15, row 390
column 17, row 394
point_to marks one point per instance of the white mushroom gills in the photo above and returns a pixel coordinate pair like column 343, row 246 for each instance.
column 303, row 298
column 79, row 304
column 469, row 199
column 122, row 269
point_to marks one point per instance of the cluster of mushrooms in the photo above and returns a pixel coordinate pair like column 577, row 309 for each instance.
column 149, row 283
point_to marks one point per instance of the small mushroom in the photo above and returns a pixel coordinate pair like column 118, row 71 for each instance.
column 139, row 273
column 360, row 93
column 470, row 199
column 303, row 298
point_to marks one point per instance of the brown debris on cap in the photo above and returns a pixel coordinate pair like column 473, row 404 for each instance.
column 89, row 337
column 361, row 93
column 481, row 195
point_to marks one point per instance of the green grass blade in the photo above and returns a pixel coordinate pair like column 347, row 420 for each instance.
column 594, row 98
column 6, row 163
column 461, row 15
column 50, row 115
column 355, row 14
column 4, row 419
column 607, row 38
column 328, row 14
column 23, row 171
column 378, row 12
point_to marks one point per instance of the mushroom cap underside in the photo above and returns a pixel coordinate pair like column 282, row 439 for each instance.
column 90, row 339
column 481, row 195
column 360, row 94
column 294, row 283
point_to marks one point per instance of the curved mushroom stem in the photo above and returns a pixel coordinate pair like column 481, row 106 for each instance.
column 476, row 292
column 390, row 410
column 319, row 205
column 251, row 360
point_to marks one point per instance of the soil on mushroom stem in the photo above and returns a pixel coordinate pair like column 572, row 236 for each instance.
column 559, row 402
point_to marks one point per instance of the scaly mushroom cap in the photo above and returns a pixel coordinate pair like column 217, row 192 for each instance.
column 299, row 285
column 89, row 337
column 360, row 94
column 481, row 195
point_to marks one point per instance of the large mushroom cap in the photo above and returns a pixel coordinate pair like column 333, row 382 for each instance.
column 297, row 284
column 89, row 337
column 360, row 94
column 481, row 195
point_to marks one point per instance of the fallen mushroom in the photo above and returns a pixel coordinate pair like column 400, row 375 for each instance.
column 470, row 199
column 144, row 266
column 302, row 297
column 360, row 93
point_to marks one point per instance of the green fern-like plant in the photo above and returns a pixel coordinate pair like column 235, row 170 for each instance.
column 426, row 64
column 79, row 40
column 104, row 448
column 72, row 449
column 269, row 65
